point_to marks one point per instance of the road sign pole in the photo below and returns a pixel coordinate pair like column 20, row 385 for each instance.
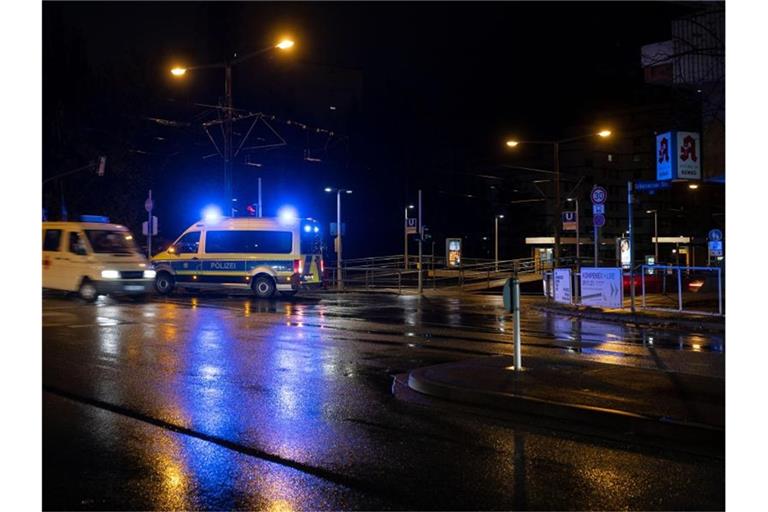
column 631, row 248
column 148, row 207
column 597, row 235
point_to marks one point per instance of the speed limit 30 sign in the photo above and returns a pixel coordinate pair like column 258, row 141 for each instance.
column 599, row 195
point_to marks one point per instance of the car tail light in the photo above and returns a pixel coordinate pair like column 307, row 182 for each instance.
column 322, row 266
column 298, row 267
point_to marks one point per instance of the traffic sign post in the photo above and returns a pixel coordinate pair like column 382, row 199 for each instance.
column 598, row 196
column 149, row 205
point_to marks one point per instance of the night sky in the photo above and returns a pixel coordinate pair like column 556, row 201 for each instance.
column 424, row 94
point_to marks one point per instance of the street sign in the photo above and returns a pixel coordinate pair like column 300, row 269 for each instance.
column 602, row 287
column 598, row 195
column 598, row 220
column 149, row 204
column 411, row 226
column 715, row 248
column 562, row 286
column 715, row 235
column 569, row 221
column 144, row 229
column 641, row 186
column 598, row 209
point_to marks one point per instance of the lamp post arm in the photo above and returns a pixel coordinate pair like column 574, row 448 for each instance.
column 238, row 60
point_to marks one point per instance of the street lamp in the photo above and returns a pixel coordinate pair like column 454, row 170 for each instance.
column 496, row 245
column 339, row 283
column 655, row 234
column 556, row 146
column 180, row 71
column 405, row 240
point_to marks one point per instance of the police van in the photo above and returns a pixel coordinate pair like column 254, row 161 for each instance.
column 265, row 255
column 94, row 257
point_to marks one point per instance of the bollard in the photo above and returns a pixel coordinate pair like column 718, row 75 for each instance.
column 512, row 304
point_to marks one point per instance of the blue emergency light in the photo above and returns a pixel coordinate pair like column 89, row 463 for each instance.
column 94, row 218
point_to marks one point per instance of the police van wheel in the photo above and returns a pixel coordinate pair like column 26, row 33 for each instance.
column 87, row 291
column 264, row 287
column 164, row 283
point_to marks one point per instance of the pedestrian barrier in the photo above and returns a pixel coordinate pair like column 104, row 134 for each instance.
column 688, row 290
column 394, row 273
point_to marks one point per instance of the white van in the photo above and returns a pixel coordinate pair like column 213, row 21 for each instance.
column 265, row 255
column 92, row 258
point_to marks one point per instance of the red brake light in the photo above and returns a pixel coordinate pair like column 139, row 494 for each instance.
column 322, row 266
column 298, row 267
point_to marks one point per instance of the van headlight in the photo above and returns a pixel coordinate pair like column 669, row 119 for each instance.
column 149, row 274
column 110, row 274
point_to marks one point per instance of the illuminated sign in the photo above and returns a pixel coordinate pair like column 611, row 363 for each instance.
column 453, row 252
column 562, row 285
column 678, row 156
column 624, row 251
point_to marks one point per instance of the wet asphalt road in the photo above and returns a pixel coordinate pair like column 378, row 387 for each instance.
column 215, row 402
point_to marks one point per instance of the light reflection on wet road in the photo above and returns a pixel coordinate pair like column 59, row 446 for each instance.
column 307, row 381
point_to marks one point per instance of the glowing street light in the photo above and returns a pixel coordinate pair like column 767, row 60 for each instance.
column 179, row 72
column 556, row 145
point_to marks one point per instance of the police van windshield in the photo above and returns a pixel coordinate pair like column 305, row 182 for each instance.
column 111, row 241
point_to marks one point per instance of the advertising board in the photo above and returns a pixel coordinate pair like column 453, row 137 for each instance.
column 602, row 287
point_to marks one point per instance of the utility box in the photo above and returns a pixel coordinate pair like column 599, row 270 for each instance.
column 509, row 296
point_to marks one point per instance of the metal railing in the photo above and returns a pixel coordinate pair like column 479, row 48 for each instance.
column 689, row 290
column 388, row 273
column 695, row 290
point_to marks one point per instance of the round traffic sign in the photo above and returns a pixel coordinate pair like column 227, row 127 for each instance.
column 148, row 204
column 599, row 195
column 715, row 235
column 598, row 220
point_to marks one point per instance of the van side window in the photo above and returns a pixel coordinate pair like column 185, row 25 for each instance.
column 273, row 242
column 52, row 240
column 76, row 244
column 188, row 243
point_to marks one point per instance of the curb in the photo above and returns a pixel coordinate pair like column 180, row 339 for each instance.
column 639, row 319
column 614, row 419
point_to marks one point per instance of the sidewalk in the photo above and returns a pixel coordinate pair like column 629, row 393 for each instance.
column 662, row 319
column 646, row 402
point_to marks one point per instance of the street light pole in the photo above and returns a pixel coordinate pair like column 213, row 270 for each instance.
column 339, row 278
column 655, row 235
column 228, row 136
column 556, row 146
column 496, row 244
column 421, row 236
column 558, row 209
column 180, row 72
column 405, row 239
